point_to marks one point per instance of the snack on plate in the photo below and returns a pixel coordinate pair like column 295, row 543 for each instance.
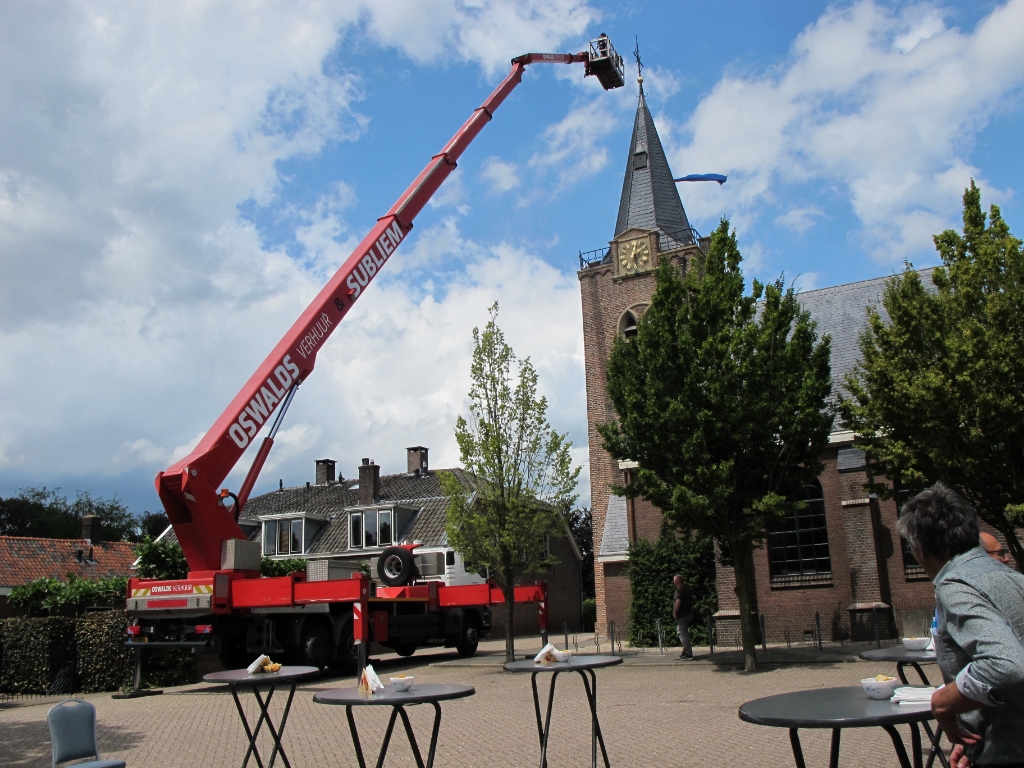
column 549, row 654
column 883, row 678
column 271, row 666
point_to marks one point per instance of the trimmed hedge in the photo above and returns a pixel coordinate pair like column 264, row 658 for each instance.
column 36, row 650
column 104, row 664
column 651, row 568
column 45, row 655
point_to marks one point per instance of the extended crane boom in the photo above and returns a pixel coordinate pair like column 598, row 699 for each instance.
column 188, row 489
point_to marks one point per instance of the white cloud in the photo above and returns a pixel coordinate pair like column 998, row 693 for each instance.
column 807, row 281
column 501, row 175
column 799, row 220
column 453, row 193
column 134, row 298
column 574, row 149
column 883, row 103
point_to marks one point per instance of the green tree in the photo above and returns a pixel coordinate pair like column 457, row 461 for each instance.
column 520, row 477
column 722, row 400
column 161, row 560
column 939, row 393
column 44, row 513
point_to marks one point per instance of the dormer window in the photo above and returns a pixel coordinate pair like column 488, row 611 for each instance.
column 370, row 528
column 639, row 160
column 286, row 535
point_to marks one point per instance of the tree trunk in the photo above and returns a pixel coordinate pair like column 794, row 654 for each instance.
column 510, row 638
column 743, row 561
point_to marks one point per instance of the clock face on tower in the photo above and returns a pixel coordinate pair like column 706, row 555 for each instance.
column 634, row 256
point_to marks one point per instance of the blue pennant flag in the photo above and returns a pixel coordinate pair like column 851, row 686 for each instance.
column 704, row 177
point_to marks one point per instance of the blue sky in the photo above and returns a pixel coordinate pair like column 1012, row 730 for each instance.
column 175, row 185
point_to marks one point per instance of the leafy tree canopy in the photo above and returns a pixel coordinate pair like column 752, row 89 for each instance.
column 160, row 560
column 45, row 513
column 521, row 478
column 939, row 393
column 722, row 400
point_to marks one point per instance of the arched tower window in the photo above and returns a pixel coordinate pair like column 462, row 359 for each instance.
column 798, row 546
column 628, row 325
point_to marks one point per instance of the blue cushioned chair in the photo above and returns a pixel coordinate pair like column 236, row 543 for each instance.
column 73, row 733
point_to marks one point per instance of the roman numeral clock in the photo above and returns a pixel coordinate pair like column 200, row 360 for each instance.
column 634, row 256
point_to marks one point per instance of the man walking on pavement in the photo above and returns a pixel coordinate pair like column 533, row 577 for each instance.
column 682, row 612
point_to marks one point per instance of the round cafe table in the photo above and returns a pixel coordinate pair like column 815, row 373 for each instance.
column 240, row 678
column 584, row 665
column 427, row 693
column 905, row 657
column 838, row 708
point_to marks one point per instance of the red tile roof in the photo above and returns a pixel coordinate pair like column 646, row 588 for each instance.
column 24, row 559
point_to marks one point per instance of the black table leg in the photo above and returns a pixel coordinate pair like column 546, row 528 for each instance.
column 397, row 711
column 833, row 756
column 544, row 728
column 920, row 673
column 248, row 732
column 798, row 753
column 915, row 742
column 901, row 751
column 935, row 750
column 355, row 735
column 279, row 733
column 901, row 674
column 596, row 737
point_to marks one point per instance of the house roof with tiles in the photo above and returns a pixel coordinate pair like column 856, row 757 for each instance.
column 24, row 559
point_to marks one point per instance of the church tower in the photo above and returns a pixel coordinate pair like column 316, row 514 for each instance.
column 616, row 285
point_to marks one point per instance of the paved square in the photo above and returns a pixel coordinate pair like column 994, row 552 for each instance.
column 653, row 713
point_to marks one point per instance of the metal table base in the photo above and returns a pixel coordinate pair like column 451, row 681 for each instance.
column 240, row 678
column 544, row 731
column 585, row 665
column 396, row 711
column 897, row 743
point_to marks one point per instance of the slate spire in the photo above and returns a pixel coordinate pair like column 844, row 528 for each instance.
column 649, row 196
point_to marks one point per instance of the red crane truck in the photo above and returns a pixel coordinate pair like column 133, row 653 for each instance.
column 225, row 604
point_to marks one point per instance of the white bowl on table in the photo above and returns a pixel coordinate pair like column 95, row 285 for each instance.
column 879, row 689
column 402, row 683
column 916, row 643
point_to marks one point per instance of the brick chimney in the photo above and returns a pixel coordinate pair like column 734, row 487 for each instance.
column 91, row 528
column 417, row 458
column 324, row 471
column 369, row 483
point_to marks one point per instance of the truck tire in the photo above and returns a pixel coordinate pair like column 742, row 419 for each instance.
column 347, row 658
column 469, row 639
column 396, row 567
column 405, row 649
column 317, row 647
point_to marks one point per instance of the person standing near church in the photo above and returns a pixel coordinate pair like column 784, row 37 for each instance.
column 682, row 612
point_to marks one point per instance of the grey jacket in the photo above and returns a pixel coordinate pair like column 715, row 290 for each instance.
column 981, row 645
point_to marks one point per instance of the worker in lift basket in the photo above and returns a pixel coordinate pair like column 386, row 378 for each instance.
column 602, row 45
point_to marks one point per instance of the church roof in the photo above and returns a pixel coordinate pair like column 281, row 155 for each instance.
column 650, row 199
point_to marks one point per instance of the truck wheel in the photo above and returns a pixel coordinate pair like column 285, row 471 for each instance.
column 317, row 647
column 232, row 652
column 470, row 637
column 396, row 567
column 405, row 649
column 348, row 653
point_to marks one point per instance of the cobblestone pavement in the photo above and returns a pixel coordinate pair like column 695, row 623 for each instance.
column 651, row 715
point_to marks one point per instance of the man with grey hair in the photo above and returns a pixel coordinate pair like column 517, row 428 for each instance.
column 980, row 639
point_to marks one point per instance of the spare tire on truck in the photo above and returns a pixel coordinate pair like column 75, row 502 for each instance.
column 396, row 567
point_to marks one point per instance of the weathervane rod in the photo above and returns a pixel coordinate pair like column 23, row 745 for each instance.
column 639, row 64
